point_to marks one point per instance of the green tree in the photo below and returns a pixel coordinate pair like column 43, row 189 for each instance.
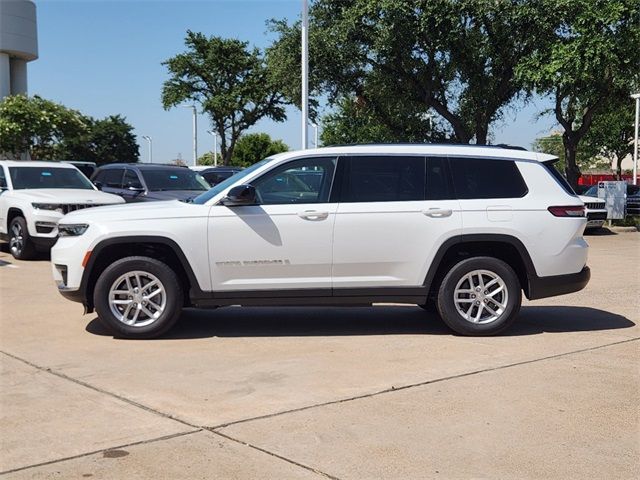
column 254, row 147
column 551, row 144
column 611, row 133
column 593, row 58
column 108, row 140
column 229, row 81
column 35, row 126
column 401, row 60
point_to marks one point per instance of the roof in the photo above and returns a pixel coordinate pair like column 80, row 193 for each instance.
column 142, row 166
column 34, row 163
column 425, row 149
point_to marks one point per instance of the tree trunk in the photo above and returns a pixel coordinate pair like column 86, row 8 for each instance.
column 619, row 159
column 572, row 170
column 482, row 132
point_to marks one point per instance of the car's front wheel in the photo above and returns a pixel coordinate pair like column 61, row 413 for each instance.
column 20, row 244
column 138, row 297
column 479, row 296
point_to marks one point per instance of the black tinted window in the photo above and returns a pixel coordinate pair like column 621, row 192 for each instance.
column 438, row 179
column 384, row 179
column 486, row 178
column 112, row 178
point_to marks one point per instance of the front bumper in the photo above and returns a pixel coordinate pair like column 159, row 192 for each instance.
column 543, row 287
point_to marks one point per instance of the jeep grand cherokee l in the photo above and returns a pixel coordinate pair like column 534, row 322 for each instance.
column 463, row 228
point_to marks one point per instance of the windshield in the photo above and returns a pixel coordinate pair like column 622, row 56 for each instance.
column 161, row 179
column 48, row 177
column 200, row 199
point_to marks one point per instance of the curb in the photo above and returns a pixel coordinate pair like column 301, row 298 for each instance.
column 623, row 229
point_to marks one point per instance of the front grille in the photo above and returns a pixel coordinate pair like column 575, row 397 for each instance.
column 594, row 205
column 77, row 206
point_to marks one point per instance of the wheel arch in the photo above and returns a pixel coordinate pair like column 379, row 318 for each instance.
column 12, row 213
column 505, row 247
column 161, row 248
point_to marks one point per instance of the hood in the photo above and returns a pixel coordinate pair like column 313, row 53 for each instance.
column 137, row 211
column 173, row 194
column 67, row 195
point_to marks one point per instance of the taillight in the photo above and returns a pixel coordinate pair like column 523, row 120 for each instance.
column 569, row 211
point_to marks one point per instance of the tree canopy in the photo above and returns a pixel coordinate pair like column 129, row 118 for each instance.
column 229, row 81
column 254, row 147
column 35, row 126
column 419, row 70
column 46, row 130
column 591, row 60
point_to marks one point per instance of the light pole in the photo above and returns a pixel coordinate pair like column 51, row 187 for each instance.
column 148, row 139
column 305, row 71
column 315, row 134
column 195, row 133
column 636, row 97
column 215, row 147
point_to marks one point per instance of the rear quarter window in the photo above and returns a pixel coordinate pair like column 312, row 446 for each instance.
column 475, row 178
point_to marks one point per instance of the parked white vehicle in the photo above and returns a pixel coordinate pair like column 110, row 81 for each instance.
column 463, row 228
column 595, row 210
column 34, row 196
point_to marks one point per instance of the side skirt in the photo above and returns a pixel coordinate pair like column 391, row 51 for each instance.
column 313, row 297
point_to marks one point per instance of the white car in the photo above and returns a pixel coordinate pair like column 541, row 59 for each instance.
column 34, row 196
column 595, row 210
column 466, row 229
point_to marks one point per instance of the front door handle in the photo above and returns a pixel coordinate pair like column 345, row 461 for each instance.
column 313, row 215
column 437, row 212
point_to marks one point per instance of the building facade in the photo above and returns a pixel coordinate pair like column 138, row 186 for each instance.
column 18, row 44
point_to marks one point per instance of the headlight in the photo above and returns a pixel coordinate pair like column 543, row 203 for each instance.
column 71, row 230
column 48, row 206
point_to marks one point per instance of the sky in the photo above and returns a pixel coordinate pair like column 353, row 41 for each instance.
column 104, row 58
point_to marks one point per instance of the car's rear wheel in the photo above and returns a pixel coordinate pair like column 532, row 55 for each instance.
column 479, row 296
column 138, row 297
column 20, row 244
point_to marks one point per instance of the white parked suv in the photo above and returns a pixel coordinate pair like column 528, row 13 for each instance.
column 34, row 196
column 595, row 211
column 464, row 229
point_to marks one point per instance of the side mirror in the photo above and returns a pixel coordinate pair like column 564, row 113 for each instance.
column 135, row 189
column 98, row 185
column 240, row 195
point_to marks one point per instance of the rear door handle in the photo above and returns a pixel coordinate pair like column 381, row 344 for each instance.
column 313, row 215
column 437, row 212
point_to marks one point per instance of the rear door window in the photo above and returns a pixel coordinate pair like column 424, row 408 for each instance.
column 384, row 179
column 476, row 178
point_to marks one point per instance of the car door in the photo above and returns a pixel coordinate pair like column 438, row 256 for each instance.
column 394, row 213
column 284, row 242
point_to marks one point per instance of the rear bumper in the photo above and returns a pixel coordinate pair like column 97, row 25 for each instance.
column 542, row 287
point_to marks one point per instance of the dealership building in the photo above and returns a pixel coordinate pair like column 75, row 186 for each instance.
column 18, row 44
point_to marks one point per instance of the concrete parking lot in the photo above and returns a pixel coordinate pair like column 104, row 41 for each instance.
column 385, row 392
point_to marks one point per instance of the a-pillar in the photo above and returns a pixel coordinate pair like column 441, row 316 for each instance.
column 18, row 76
column 5, row 75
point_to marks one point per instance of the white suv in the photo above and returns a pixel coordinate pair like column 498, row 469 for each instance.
column 464, row 229
column 34, row 196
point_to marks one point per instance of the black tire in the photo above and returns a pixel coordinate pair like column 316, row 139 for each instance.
column 20, row 244
column 455, row 320
column 173, row 297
